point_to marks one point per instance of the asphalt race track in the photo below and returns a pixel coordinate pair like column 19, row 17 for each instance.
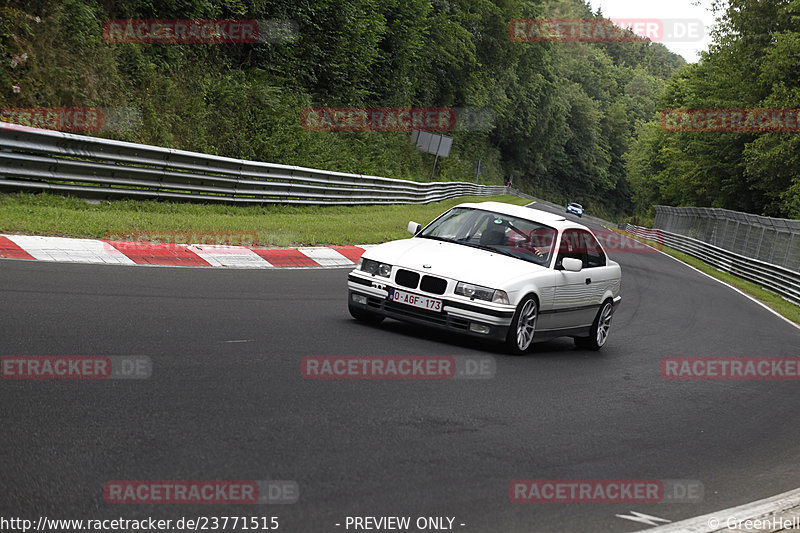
column 226, row 401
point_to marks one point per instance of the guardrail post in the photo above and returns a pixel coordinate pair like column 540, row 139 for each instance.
column 788, row 250
column 721, row 242
column 736, row 237
column 760, row 241
column 774, row 245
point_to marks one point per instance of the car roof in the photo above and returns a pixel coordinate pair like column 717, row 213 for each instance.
column 529, row 213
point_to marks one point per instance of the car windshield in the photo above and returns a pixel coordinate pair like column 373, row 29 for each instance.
column 504, row 234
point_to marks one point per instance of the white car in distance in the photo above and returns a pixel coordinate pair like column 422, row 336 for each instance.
column 495, row 271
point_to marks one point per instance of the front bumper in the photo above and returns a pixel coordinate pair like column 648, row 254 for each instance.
column 456, row 316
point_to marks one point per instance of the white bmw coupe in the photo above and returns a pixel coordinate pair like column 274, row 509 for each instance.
column 495, row 271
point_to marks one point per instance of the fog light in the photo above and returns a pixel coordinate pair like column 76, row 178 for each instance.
column 479, row 328
column 359, row 299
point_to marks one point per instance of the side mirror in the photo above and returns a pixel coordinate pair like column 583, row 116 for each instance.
column 414, row 228
column 570, row 264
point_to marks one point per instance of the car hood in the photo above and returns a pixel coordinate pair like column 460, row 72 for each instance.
column 451, row 260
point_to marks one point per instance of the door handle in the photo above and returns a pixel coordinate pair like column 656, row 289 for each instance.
column 588, row 280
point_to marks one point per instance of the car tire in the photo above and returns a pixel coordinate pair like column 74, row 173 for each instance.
column 519, row 339
column 362, row 315
column 601, row 327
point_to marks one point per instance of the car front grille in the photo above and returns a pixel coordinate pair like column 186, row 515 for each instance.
column 407, row 278
column 433, row 285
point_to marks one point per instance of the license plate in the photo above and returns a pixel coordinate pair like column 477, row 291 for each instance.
column 415, row 300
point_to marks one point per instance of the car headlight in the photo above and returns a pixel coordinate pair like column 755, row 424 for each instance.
column 374, row 267
column 481, row 293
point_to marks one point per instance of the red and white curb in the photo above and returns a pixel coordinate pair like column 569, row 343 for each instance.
column 63, row 250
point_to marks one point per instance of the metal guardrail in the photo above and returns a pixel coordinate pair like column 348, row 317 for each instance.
column 774, row 240
column 33, row 159
column 775, row 278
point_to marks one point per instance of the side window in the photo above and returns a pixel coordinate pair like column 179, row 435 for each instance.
column 581, row 244
column 594, row 253
column 570, row 246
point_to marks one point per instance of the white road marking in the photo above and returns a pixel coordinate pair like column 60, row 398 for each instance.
column 230, row 256
column 644, row 518
column 70, row 250
column 326, row 256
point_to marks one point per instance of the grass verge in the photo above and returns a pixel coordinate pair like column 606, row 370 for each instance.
column 275, row 225
column 770, row 299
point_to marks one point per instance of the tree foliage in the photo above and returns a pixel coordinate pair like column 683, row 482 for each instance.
column 753, row 63
column 564, row 114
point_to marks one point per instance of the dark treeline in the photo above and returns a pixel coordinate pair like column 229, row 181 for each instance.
column 753, row 64
column 565, row 114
